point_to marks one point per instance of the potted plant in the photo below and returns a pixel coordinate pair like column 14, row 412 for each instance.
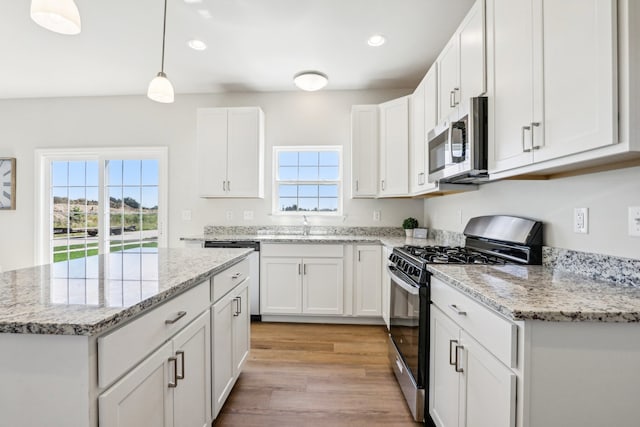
column 409, row 224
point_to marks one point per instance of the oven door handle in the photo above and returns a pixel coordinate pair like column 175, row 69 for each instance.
column 413, row 290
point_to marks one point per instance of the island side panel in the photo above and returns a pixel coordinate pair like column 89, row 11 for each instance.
column 582, row 374
column 45, row 381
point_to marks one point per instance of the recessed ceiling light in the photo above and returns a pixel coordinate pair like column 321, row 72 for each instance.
column 376, row 40
column 196, row 44
column 310, row 80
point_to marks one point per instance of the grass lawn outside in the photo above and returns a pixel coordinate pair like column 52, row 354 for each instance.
column 64, row 253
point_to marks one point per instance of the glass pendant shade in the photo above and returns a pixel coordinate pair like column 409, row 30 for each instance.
column 161, row 89
column 59, row 16
column 310, row 80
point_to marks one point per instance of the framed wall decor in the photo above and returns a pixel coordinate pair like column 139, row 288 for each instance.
column 7, row 183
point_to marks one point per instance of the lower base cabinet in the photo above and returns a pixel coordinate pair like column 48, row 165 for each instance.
column 231, row 340
column 171, row 387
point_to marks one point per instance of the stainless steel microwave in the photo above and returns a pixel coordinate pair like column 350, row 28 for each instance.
column 458, row 148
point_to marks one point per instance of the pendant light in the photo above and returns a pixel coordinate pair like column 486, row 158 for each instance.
column 59, row 16
column 160, row 88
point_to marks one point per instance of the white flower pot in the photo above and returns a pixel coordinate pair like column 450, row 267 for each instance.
column 409, row 232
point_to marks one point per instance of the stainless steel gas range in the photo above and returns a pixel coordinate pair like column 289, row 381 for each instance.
column 497, row 239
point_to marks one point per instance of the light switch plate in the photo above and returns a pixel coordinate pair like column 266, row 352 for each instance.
column 376, row 215
column 229, row 215
column 186, row 215
column 634, row 221
column 581, row 220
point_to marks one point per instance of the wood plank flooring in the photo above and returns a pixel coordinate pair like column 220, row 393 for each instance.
column 316, row 375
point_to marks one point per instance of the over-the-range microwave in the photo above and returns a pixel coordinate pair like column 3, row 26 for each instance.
column 458, row 148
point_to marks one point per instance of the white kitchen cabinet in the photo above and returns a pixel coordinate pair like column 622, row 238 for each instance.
column 231, row 323
column 171, row 387
column 311, row 284
column 368, row 281
column 230, row 152
column 546, row 104
column 423, row 107
column 394, row 148
column 470, row 384
column 364, row 151
column 462, row 64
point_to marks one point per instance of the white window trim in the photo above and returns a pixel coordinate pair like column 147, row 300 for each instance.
column 43, row 159
column 274, row 179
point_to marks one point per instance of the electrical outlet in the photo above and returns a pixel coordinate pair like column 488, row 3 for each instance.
column 248, row 215
column 186, row 215
column 377, row 215
column 581, row 220
column 229, row 215
column 634, row 221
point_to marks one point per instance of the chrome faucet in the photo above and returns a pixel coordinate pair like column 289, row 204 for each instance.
column 305, row 228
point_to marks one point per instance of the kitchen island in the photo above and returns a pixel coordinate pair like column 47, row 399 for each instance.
column 532, row 346
column 73, row 334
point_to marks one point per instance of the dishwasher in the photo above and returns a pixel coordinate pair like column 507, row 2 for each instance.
column 254, row 269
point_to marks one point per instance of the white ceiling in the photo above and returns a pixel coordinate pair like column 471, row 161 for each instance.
column 253, row 45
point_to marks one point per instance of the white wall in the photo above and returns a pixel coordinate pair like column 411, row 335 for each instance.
column 290, row 118
column 606, row 194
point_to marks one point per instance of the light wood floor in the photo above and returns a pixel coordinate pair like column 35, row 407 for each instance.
column 316, row 375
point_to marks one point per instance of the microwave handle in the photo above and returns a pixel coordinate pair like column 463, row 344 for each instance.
column 448, row 150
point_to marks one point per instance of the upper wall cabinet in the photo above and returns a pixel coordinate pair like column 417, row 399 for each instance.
column 364, row 151
column 553, row 79
column 462, row 64
column 423, row 107
column 394, row 148
column 231, row 152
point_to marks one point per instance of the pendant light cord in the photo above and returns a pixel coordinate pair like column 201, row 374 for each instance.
column 164, row 29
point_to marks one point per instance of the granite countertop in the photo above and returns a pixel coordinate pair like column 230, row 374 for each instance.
column 389, row 241
column 87, row 296
column 543, row 293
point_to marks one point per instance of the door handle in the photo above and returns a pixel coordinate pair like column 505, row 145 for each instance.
column 452, row 361
column 304, row 269
column 299, row 269
column 455, row 102
column 181, row 376
column 357, row 189
column 224, row 185
column 457, row 310
column 228, row 185
column 452, row 99
column 524, row 149
column 534, row 125
column 174, row 383
column 237, row 311
column 458, row 368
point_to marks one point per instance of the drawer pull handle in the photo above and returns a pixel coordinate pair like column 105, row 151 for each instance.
column 457, row 310
column 181, row 376
column 179, row 315
column 238, row 301
column 452, row 361
column 458, row 368
column 174, row 383
column 236, row 275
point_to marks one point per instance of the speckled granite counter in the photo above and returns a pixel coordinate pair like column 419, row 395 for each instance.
column 542, row 293
column 90, row 295
column 389, row 241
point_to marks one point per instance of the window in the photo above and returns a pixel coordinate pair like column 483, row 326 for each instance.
column 307, row 179
column 91, row 202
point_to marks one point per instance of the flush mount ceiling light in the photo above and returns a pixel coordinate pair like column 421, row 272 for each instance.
column 59, row 16
column 160, row 88
column 310, row 80
column 196, row 44
column 376, row 40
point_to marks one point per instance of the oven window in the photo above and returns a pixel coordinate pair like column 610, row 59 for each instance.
column 405, row 325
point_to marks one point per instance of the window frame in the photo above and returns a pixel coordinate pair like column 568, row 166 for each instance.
column 43, row 160
column 275, row 181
